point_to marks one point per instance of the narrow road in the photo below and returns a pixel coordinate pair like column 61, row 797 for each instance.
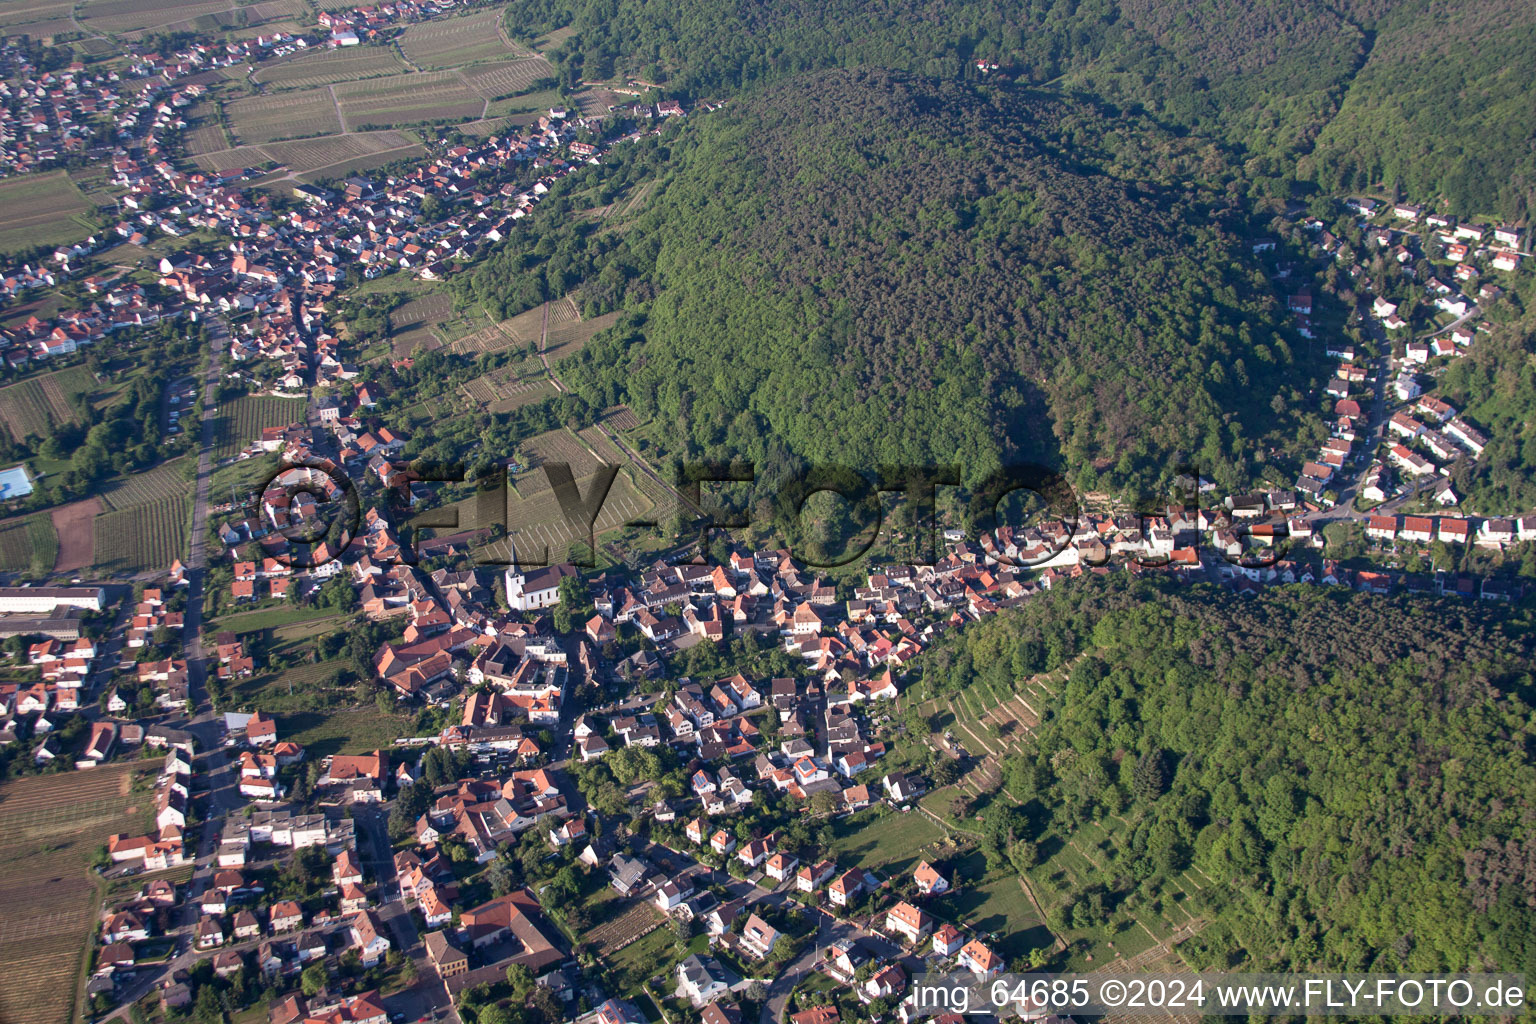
column 197, row 547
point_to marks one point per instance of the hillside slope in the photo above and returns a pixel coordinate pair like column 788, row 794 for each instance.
column 1432, row 93
column 872, row 268
column 1348, row 779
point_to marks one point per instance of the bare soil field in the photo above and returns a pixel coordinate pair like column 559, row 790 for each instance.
column 77, row 544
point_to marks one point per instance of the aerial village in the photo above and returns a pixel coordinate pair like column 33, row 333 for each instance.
column 575, row 771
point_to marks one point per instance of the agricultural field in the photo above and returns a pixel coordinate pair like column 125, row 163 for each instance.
column 240, row 423
column 403, row 343
column 326, row 67
column 407, row 99
column 28, row 544
column 492, row 338
column 570, row 337
column 164, row 481
column 635, row 923
column 111, row 16
column 235, row 159
column 143, row 537
column 206, row 138
column 664, row 506
column 524, row 108
column 42, row 209
column 888, row 845
column 259, row 119
column 50, row 829
column 536, row 524
column 72, row 525
column 507, row 77
column 37, row 405
column 16, row 15
column 341, row 154
column 450, row 42
column 520, row 393
column 430, row 308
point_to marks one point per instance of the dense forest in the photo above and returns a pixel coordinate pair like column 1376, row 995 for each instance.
column 1432, row 94
column 869, row 268
column 1354, row 774
column 1495, row 388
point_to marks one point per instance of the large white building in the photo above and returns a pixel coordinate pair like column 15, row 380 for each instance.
column 41, row 600
column 536, row 589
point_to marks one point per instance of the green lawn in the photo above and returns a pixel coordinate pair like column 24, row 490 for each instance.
column 649, row 955
column 890, row 844
column 993, row 904
column 344, row 732
column 270, row 618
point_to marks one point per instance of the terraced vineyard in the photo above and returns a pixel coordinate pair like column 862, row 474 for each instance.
column 504, row 390
column 539, row 529
column 145, row 537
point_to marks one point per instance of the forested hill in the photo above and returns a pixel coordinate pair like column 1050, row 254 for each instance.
column 872, row 268
column 1353, row 775
column 1433, row 93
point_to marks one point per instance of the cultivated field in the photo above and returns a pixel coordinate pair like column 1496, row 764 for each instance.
column 206, row 138
column 490, row 338
column 235, row 159
column 507, row 77
column 403, row 343
column 23, row 12
column 431, row 308
column 50, row 827
column 635, row 923
column 72, row 525
column 339, row 154
column 407, row 99
column 40, row 29
column 164, row 481
column 536, row 524
column 144, row 537
column 259, row 119
column 664, row 506
column 449, row 42
column 325, row 67
column 240, row 423
column 28, row 544
column 570, row 337
column 495, row 395
column 42, row 209
column 134, row 15
column 36, row 406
